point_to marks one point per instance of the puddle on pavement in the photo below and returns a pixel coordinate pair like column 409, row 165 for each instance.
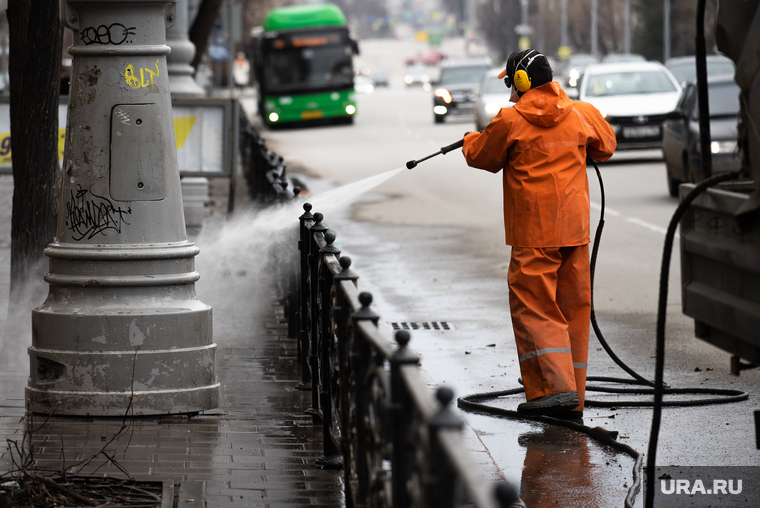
column 557, row 466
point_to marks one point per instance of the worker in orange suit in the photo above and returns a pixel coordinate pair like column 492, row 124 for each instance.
column 541, row 143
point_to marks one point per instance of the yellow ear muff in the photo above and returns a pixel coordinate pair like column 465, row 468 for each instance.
column 521, row 81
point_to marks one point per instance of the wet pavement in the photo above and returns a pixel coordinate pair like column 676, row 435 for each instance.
column 258, row 449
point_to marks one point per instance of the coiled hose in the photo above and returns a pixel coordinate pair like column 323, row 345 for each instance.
column 475, row 402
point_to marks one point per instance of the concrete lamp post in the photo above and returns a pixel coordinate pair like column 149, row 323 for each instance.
column 122, row 323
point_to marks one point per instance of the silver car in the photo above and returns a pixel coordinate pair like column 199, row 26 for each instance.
column 492, row 95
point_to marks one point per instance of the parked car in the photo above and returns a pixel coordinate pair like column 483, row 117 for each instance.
column 416, row 76
column 684, row 68
column 572, row 70
column 455, row 89
column 634, row 97
column 681, row 145
column 492, row 95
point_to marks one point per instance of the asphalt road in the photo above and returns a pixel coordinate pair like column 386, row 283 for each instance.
column 428, row 243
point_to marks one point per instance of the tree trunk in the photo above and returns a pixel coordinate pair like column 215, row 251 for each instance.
column 199, row 32
column 35, row 73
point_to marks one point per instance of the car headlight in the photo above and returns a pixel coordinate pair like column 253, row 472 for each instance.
column 723, row 146
column 440, row 110
column 443, row 94
column 492, row 108
column 408, row 79
column 425, row 78
column 573, row 76
column 273, row 117
column 350, row 109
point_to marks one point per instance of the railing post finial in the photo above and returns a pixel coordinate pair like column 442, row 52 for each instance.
column 329, row 248
column 403, row 355
column 445, row 418
column 318, row 227
column 365, row 312
column 307, row 212
column 346, row 273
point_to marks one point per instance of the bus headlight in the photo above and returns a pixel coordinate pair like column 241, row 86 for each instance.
column 273, row 117
column 350, row 109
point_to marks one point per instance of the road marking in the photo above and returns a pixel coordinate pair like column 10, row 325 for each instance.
column 607, row 209
column 634, row 220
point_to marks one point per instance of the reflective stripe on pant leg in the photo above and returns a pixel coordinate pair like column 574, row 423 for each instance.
column 541, row 331
column 574, row 301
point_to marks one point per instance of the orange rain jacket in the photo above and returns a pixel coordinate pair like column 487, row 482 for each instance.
column 542, row 143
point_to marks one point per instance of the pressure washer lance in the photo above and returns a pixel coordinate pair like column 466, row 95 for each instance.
column 442, row 151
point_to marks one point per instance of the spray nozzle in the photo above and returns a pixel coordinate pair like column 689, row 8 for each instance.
column 443, row 151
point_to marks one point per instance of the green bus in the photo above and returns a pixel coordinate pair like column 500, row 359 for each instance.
column 304, row 67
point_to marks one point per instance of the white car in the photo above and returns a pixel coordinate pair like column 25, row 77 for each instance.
column 363, row 84
column 634, row 97
column 492, row 95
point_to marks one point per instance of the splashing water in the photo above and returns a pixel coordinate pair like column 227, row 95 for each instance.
column 236, row 256
column 327, row 201
column 336, row 198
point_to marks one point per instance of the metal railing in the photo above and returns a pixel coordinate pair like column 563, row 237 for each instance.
column 399, row 444
column 264, row 170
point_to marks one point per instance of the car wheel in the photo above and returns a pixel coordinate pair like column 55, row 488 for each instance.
column 672, row 185
column 688, row 172
column 438, row 118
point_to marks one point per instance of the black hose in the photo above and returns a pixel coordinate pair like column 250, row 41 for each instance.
column 659, row 389
column 473, row 402
column 597, row 331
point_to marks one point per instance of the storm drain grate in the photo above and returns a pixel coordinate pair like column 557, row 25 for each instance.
column 426, row 325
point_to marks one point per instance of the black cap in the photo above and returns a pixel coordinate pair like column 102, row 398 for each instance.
column 536, row 64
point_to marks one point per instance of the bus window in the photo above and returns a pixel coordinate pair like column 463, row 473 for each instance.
column 293, row 68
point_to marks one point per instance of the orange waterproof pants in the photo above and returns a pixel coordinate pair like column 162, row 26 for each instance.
column 550, row 303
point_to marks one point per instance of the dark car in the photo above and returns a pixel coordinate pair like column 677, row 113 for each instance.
column 681, row 144
column 684, row 68
column 455, row 89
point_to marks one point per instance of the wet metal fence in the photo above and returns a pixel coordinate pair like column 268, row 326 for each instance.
column 399, row 444
column 264, row 170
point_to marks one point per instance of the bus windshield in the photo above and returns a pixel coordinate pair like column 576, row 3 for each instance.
column 308, row 61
